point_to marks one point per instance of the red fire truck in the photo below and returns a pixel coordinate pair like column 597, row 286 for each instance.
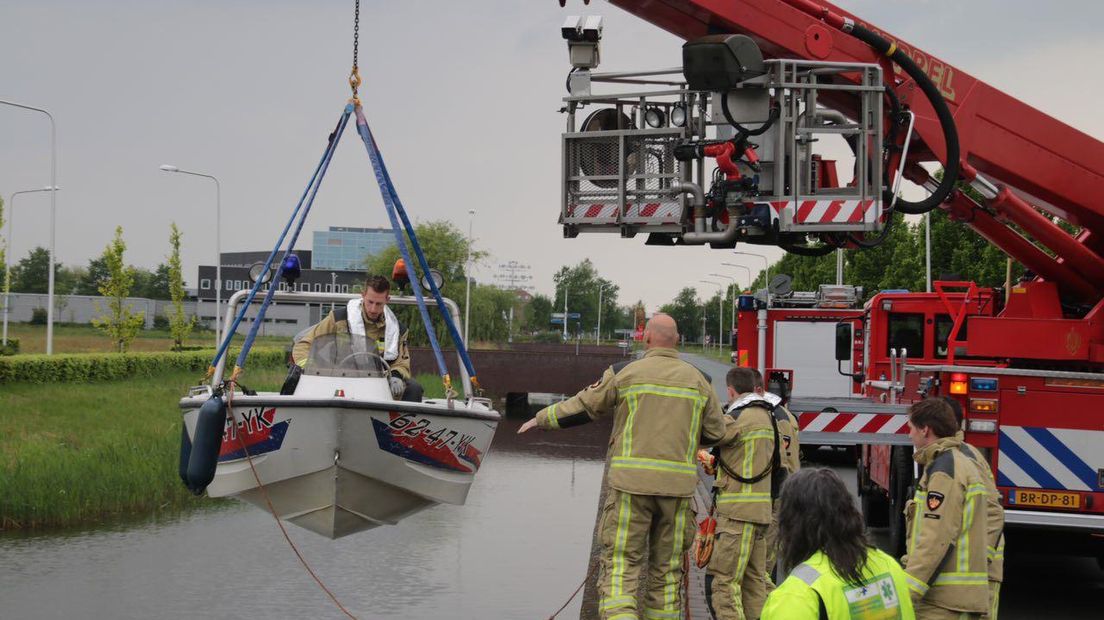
column 727, row 153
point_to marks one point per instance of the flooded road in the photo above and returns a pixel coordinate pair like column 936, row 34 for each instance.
column 518, row 549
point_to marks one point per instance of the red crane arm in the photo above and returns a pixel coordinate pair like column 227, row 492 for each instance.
column 1052, row 165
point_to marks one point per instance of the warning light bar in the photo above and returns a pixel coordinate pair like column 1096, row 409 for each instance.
column 981, row 426
column 983, row 405
column 958, row 383
column 983, row 384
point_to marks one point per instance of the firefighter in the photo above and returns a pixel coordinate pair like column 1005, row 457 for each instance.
column 662, row 407
column 736, row 576
column 835, row 569
column 373, row 328
column 791, row 463
column 946, row 565
column 995, row 525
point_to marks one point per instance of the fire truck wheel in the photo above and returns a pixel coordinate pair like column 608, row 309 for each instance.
column 900, row 489
column 872, row 501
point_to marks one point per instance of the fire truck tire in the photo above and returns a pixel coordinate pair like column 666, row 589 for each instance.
column 874, row 504
column 900, row 489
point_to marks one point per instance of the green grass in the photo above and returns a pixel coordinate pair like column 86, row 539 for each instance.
column 724, row 355
column 70, row 338
column 80, row 453
column 85, row 453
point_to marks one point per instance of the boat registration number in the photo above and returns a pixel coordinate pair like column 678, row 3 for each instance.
column 412, row 426
column 1046, row 499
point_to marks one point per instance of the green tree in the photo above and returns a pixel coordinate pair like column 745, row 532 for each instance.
column 538, row 313
column 31, row 274
column 93, row 277
column 687, row 313
column 180, row 325
column 582, row 284
column 119, row 322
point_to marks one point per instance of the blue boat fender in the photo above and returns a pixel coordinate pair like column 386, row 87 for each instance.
column 206, row 443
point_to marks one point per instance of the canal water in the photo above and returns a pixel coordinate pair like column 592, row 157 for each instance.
column 517, row 549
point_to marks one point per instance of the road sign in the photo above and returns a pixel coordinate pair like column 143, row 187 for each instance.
column 570, row 315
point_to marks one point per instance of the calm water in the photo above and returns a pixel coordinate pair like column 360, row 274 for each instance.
column 518, row 549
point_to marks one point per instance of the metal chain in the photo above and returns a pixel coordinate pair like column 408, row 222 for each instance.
column 354, row 76
column 356, row 34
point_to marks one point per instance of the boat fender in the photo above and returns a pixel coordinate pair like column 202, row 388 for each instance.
column 185, row 453
column 206, row 443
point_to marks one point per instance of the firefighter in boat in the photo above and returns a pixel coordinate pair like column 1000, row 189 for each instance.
column 370, row 323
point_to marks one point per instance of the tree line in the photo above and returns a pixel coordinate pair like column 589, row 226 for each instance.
column 957, row 253
column 31, row 275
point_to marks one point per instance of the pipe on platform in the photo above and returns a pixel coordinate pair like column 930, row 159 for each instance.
column 699, row 236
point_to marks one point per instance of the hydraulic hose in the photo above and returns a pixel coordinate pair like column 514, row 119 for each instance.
column 946, row 120
column 775, row 112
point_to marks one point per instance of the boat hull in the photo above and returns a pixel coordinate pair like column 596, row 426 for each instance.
column 339, row 466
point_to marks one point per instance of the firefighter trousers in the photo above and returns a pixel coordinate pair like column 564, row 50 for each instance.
column 638, row 531
column 927, row 611
column 994, row 600
column 772, row 550
column 738, row 584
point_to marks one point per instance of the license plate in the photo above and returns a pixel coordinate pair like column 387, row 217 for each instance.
column 1046, row 499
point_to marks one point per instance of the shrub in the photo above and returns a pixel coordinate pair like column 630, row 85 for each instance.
column 11, row 348
column 549, row 338
column 38, row 316
column 160, row 322
column 84, row 367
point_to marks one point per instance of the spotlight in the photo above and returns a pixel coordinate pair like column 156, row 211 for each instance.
column 678, row 115
column 655, row 117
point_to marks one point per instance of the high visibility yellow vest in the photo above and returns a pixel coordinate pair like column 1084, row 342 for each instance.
column 813, row 585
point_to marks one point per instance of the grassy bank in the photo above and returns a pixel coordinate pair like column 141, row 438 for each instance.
column 87, row 453
column 88, row 339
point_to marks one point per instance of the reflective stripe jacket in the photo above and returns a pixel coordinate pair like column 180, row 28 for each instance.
column 747, row 456
column 373, row 332
column 883, row 592
column 995, row 512
column 947, row 564
column 663, row 409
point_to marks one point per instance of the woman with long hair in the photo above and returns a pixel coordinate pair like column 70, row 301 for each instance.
column 835, row 574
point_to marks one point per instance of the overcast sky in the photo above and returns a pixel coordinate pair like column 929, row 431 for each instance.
column 462, row 96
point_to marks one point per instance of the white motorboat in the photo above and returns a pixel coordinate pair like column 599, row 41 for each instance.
column 340, row 455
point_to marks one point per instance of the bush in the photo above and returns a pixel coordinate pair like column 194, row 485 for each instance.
column 549, row 338
column 84, row 367
column 38, row 316
column 11, row 348
column 160, row 322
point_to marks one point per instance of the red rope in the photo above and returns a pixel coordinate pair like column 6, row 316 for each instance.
column 272, row 509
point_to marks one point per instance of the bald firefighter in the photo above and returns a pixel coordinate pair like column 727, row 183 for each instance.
column 995, row 522
column 791, row 463
column 744, row 467
column 947, row 564
column 663, row 409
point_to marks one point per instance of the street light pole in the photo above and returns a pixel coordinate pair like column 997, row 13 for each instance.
column 598, row 331
column 7, row 262
column 720, row 311
column 467, row 273
column 218, row 245
column 565, row 310
column 732, row 325
column 53, row 220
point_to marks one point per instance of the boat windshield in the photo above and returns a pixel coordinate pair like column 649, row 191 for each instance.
column 334, row 355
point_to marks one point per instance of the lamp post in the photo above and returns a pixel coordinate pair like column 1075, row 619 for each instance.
column 733, row 303
column 7, row 263
column 761, row 354
column 53, row 220
column 218, row 245
column 598, row 331
column 467, row 272
column 720, row 311
column 565, row 310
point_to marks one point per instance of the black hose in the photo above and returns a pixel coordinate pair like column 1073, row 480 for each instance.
column 775, row 112
column 946, row 122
